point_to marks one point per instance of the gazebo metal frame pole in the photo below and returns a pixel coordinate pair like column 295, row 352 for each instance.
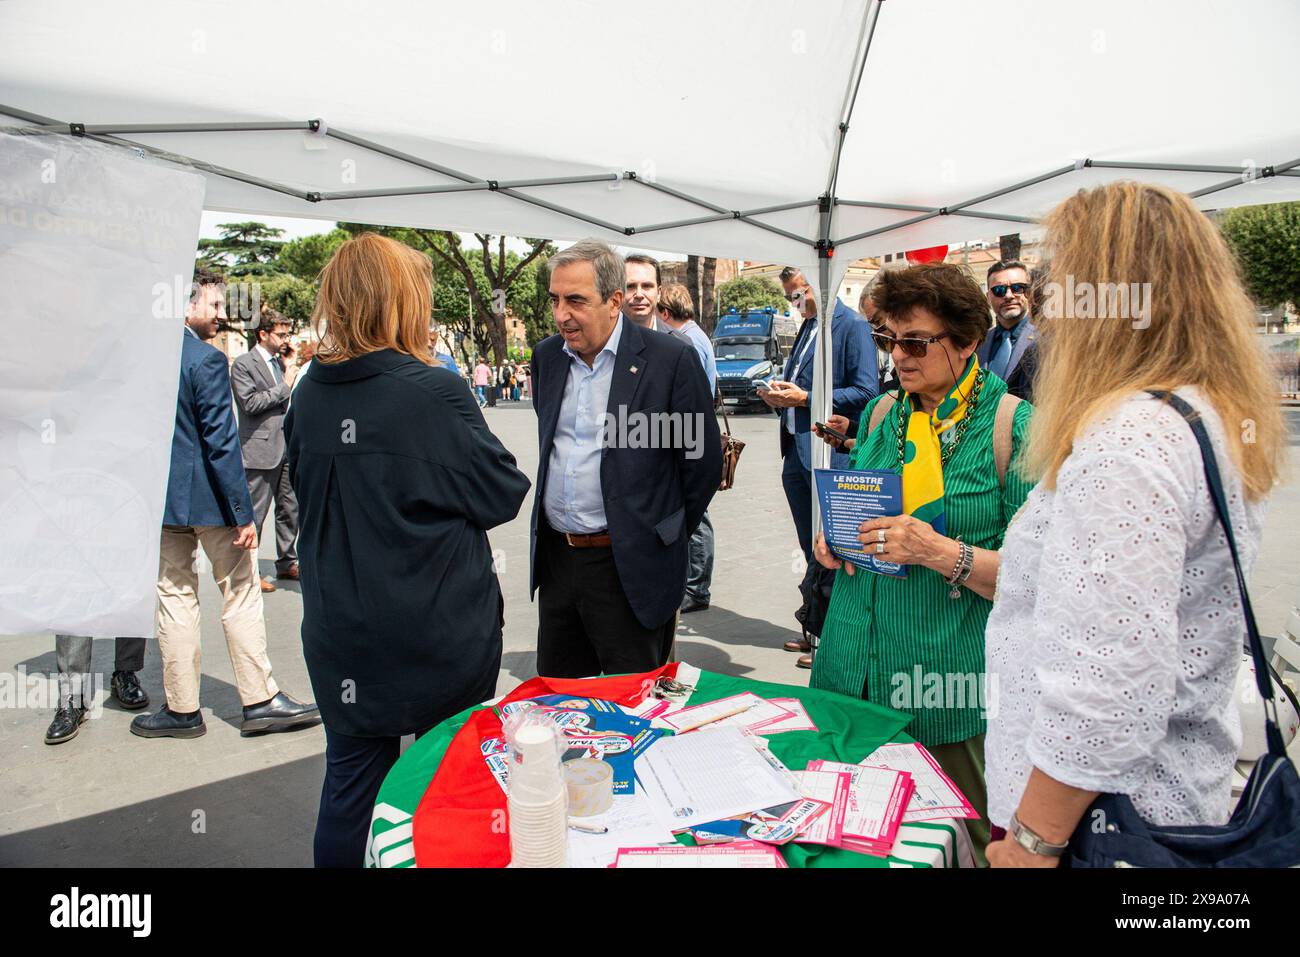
column 956, row 209
column 820, row 403
column 733, row 214
column 45, row 124
column 1285, row 169
column 465, row 182
column 110, row 133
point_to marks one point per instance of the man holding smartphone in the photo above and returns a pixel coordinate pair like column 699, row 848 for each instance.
column 854, row 383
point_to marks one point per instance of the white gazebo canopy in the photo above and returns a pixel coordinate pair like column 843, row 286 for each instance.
column 752, row 129
column 808, row 133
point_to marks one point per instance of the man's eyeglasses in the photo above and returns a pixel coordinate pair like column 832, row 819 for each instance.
column 1000, row 290
column 912, row 346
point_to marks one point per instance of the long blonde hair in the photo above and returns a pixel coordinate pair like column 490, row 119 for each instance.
column 1197, row 328
column 375, row 293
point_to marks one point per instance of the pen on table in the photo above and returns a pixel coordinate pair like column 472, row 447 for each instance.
column 587, row 828
column 717, row 717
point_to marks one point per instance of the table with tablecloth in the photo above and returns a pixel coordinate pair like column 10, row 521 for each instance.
column 848, row 730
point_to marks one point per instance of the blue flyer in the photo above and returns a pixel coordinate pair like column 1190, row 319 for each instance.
column 849, row 497
column 594, row 728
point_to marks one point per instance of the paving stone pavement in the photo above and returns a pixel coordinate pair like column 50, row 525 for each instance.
column 110, row 798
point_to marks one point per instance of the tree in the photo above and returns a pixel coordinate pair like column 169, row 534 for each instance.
column 306, row 257
column 294, row 298
column 535, row 304
column 751, row 292
column 1266, row 242
column 706, row 309
column 700, row 273
column 244, row 249
column 290, row 295
column 499, row 271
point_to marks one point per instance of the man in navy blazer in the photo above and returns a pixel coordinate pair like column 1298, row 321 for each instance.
column 1010, row 350
column 854, row 383
column 630, row 456
column 208, row 512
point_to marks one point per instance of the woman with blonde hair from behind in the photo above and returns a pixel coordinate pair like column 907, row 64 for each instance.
column 398, row 481
column 1117, row 630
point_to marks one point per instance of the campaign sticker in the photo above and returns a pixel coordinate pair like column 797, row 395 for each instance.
column 775, row 833
column 571, row 719
column 611, row 743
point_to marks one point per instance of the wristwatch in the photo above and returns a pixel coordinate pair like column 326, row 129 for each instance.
column 1031, row 842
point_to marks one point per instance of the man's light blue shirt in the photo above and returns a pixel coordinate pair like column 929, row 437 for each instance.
column 704, row 346
column 573, row 499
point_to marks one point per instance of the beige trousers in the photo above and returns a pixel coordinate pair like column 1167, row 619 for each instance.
column 235, row 571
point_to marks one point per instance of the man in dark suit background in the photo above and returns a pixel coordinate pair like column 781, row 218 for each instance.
column 615, row 504
column 208, row 513
column 262, row 387
column 854, row 384
column 855, row 379
column 1010, row 350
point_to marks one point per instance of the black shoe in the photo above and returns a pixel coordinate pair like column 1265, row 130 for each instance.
column 66, row 723
column 127, row 691
column 169, row 724
column 279, row 714
column 690, row 604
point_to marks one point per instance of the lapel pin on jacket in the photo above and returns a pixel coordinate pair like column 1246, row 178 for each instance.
column 632, row 370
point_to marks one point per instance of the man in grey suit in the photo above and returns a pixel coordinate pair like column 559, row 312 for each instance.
column 262, row 387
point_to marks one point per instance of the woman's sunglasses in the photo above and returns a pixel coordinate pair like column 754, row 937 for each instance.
column 914, row 347
column 1000, row 290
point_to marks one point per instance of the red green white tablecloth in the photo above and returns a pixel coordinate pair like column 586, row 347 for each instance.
column 848, row 730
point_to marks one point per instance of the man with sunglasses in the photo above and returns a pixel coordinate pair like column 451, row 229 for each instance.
column 854, row 383
column 1009, row 350
column 886, row 374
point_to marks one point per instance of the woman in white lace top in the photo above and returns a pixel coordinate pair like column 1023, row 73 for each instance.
column 1117, row 630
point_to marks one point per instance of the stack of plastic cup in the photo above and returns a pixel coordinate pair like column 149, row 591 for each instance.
column 538, row 802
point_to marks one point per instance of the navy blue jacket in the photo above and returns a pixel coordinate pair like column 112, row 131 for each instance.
column 654, row 498
column 855, row 380
column 398, row 480
column 1024, row 360
column 206, row 485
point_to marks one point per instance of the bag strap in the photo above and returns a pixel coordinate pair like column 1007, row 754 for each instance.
column 1212, row 478
column 1003, row 441
column 721, row 403
column 879, row 411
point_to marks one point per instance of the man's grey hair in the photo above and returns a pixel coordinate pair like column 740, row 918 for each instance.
column 866, row 290
column 611, row 277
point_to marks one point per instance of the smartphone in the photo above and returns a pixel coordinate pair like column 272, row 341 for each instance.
column 827, row 430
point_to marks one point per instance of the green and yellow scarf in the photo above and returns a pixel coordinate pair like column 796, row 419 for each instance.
column 922, row 451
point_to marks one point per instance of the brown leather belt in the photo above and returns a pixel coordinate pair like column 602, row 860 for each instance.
column 597, row 540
